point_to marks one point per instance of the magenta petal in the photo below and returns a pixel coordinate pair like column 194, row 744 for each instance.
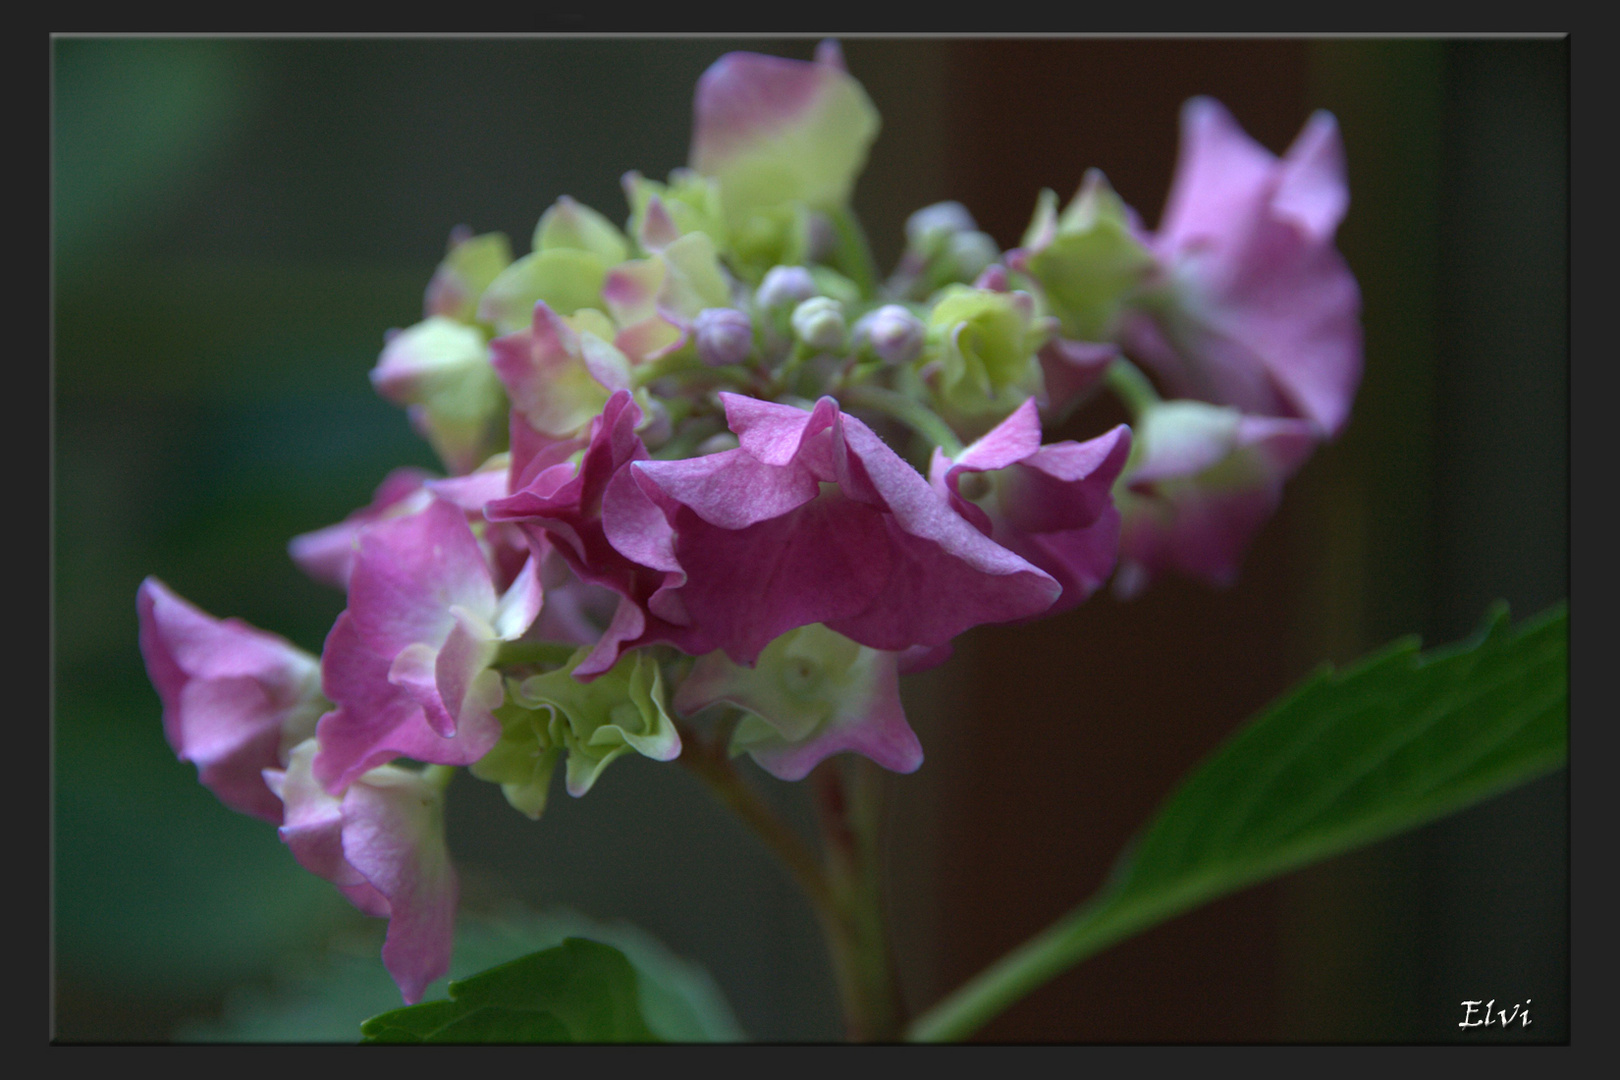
column 1203, row 536
column 746, row 98
column 1199, row 519
column 1052, row 505
column 231, row 730
column 381, row 842
column 822, row 562
column 1218, row 170
column 732, row 489
column 377, row 721
column 469, row 493
column 1065, row 485
column 1080, row 559
column 1069, row 369
column 814, row 519
column 327, row 555
column 410, row 571
column 232, row 695
column 770, row 432
column 533, row 451
column 946, row 575
column 1014, row 439
column 466, row 686
column 570, row 512
column 1266, row 315
column 1311, row 189
column 313, row 830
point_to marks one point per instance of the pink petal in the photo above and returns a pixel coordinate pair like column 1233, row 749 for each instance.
column 393, row 834
column 409, row 573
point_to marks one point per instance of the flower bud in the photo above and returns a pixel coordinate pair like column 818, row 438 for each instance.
column 971, row 253
column 895, row 333
column 930, row 229
column 784, row 285
column 819, row 322
column 724, row 336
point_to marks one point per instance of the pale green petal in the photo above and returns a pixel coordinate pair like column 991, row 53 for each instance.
column 567, row 279
column 1087, row 260
column 572, row 225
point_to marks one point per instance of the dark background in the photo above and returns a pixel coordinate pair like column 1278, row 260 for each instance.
column 236, row 222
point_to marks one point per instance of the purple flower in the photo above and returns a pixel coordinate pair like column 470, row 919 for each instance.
column 811, row 519
column 562, row 507
column 1070, row 370
column 784, row 285
column 1258, row 309
column 1050, row 504
column 235, row 699
column 724, row 336
column 380, row 840
column 895, row 334
column 1205, row 480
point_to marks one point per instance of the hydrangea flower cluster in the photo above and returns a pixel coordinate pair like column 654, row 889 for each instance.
column 708, row 468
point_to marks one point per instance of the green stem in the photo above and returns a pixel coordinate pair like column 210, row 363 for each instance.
column 439, row 775
column 510, row 653
column 713, row 766
column 849, row 814
column 914, row 414
column 1082, row 933
column 1133, row 388
column 854, row 253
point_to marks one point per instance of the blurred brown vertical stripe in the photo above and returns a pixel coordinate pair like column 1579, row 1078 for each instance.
column 1079, row 725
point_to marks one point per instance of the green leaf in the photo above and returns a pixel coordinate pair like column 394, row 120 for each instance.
column 579, row 991
column 326, row 995
column 1343, row 760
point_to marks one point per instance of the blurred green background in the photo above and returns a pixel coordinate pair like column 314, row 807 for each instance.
column 236, row 222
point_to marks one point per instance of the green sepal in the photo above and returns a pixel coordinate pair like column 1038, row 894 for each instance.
column 1087, row 260
column 777, row 234
column 578, row 992
column 570, row 225
column 694, row 279
column 523, row 760
column 623, row 709
column 830, row 282
column 466, row 271
column 985, row 344
column 567, row 279
column 692, row 201
column 440, row 368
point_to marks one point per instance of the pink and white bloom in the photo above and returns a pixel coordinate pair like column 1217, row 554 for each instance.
column 408, row 663
column 1050, row 504
column 235, row 699
column 1205, row 479
column 380, row 840
column 811, row 694
column 1258, row 309
column 440, row 370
